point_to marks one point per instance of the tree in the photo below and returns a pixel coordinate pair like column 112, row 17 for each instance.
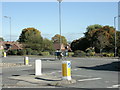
column 56, row 39
column 93, row 27
column 118, row 43
column 31, row 38
column 90, row 32
column 1, row 39
column 30, row 35
column 80, row 44
column 100, row 39
column 93, row 35
column 48, row 45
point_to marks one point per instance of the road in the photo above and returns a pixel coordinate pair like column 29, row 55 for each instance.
column 88, row 72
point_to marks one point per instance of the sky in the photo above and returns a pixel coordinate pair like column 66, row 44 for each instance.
column 44, row 16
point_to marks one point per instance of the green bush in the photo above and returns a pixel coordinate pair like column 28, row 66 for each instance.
column 34, row 52
column 70, row 54
column 22, row 52
column 12, row 52
column 118, row 52
column 45, row 53
column 90, row 51
column 28, row 51
column 79, row 53
column 108, row 54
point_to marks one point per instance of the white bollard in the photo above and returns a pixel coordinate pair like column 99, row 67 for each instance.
column 26, row 61
column 38, row 67
column 66, row 70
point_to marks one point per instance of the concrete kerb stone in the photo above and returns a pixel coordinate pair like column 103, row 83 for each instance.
column 43, row 80
column 5, row 65
column 62, row 82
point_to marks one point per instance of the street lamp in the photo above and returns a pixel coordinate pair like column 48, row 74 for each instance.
column 60, row 20
column 10, row 24
column 115, row 34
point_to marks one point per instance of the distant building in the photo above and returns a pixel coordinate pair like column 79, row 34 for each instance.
column 1, row 45
column 7, row 45
column 57, row 46
column 61, row 47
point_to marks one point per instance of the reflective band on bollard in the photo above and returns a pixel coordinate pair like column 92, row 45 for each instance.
column 4, row 54
column 38, row 67
column 66, row 70
column 26, row 61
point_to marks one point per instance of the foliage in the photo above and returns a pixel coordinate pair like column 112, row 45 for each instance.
column 34, row 46
column 108, row 54
column 1, row 39
column 118, row 39
column 93, row 27
column 90, row 51
column 30, row 35
column 56, row 39
column 81, row 44
column 70, row 54
column 48, row 45
column 33, row 42
column 34, row 52
column 45, row 53
column 22, row 52
column 28, row 51
column 12, row 52
column 118, row 51
column 79, row 53
column 100, row 37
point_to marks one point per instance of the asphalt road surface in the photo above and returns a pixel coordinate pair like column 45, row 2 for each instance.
column 88, row 72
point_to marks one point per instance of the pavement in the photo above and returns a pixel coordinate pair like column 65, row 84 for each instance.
column 86, row 73
column 44, row 80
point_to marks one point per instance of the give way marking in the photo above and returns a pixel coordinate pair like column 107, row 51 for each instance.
column 89, row 79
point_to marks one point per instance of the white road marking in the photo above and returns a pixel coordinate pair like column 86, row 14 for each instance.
column 52, row 72
column 75, row 69
column 89, row 79
column 114, row 86
column 59, row 71
column 81, row 75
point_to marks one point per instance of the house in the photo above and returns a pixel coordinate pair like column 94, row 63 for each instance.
column 61, row 47
column 57, row 46
column 7, row 45
column 1, row 45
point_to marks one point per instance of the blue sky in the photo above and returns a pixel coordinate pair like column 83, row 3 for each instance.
column 76, row 16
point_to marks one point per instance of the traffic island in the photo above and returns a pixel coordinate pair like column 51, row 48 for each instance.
column 42, row 80
column 62, row 82
column 9, row 65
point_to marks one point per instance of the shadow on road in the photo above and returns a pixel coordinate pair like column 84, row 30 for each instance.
column 114, row 66
column 46, row 79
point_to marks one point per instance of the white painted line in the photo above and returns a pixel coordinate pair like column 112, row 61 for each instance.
column 52, row 72
column 114, row 86
column 59, row 71
column 89, row 79
column 81, row 75
column 75, row 69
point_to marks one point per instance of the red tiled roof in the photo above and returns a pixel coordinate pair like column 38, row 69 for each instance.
column 57, row 46
column 14, row 45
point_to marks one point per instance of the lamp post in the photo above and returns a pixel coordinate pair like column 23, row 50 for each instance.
column 60, row 21
column 10, row 24
column 115, row 34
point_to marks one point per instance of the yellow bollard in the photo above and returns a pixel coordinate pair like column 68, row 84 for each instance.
column 66, row 70
column 4, row 54
column 26, row 61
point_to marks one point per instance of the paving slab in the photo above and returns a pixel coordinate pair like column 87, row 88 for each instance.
column 42, row 80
